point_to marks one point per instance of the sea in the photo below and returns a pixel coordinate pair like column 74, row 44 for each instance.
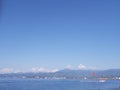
column 38, row 84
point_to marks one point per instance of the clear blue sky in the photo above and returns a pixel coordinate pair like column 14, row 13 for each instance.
column 56, row 33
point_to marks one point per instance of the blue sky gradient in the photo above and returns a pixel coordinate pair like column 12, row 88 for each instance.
column 56, row 33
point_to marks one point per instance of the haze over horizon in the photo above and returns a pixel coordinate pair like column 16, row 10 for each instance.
column 55, row 34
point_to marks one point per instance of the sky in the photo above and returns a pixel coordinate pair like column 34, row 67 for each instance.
column 57, row 34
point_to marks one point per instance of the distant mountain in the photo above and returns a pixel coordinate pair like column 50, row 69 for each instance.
column 68, row 74
column 89, row 73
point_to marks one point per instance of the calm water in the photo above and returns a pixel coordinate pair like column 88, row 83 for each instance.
column 30, row 84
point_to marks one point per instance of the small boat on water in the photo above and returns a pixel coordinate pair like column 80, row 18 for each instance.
column 102, row 80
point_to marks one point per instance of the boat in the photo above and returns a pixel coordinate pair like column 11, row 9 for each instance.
column 102, row 80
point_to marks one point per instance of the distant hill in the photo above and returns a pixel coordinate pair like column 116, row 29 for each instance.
column 68, row 74
column 90, row 73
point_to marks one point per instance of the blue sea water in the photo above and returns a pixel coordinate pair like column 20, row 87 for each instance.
column 37, row 84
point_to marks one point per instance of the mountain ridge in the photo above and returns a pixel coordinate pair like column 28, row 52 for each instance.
column 67, row 74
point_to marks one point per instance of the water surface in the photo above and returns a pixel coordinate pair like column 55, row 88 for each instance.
column 37, row 84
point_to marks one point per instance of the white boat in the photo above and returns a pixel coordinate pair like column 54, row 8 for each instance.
column 102, row 80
